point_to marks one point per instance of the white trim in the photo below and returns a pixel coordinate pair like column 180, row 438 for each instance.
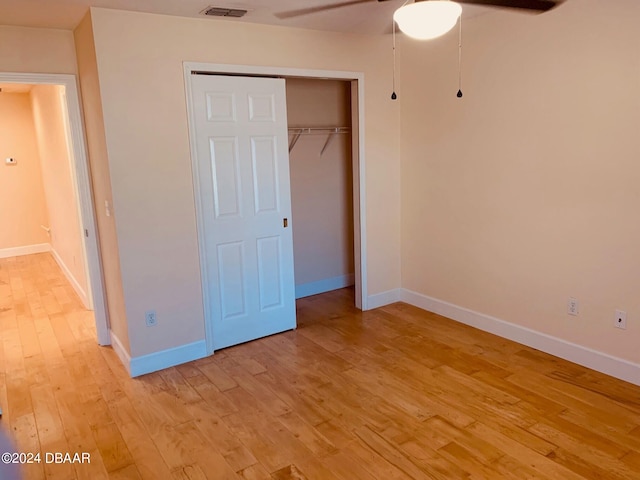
column 82, row 187
column 86, row 296
column 121, row 352
column 72, row 280
column 153, row 362
column 325, row 285
column 383, row 298
column 24, row 250
column 359, row 188
column 167, row 358
column 602, row 362
column 268, row 71
column 359, row 179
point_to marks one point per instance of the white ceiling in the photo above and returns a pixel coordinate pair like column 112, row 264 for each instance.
column 369, row 17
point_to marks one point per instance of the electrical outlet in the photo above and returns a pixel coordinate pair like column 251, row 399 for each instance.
column 620, row 320
column 150, row 318
column 572, row 306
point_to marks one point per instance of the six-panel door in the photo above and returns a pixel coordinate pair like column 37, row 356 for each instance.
column 243, row 175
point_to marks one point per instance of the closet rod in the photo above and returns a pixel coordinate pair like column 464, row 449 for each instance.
column 329, row 131
column 317, row 130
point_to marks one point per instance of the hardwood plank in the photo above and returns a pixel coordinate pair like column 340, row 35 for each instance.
column 218, row 377
column 224, row 441
column 254, row 472
column 434, row 465
column 50, row 430
column 582, row 458
column 188, row 472
column 129, row 472
column 307, row 434
column 290, row 472
column 535, row 455
column 26, row 434
column 113, row 449
column 141, row 446
column 397, row 464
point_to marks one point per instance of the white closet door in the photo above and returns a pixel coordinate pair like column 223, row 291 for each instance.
column 243, row 174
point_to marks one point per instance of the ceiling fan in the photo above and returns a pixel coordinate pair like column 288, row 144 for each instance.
column 530, row 5
column 427, row 19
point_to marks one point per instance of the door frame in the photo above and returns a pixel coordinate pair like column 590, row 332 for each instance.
column 81, row 185
column 358, row 166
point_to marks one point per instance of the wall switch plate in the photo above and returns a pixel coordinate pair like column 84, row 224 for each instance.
column 572, row 306
column 620, row 320
column 10, row 161
column 150, row 318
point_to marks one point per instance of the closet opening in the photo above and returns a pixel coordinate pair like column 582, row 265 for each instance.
column 321, row 171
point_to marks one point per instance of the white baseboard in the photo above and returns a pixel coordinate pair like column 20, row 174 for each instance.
column 167, row 358
column 24, row 250
column 153, row 362
column 599, row 361
column 72, row 280
column 326, row 285
column 382, row 299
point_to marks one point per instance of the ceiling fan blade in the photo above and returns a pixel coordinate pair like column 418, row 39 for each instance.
column 306, row 11
column 534, row 5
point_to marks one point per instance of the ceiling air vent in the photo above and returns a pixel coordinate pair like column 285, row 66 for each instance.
column 224, row 12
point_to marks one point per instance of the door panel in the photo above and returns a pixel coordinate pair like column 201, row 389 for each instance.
column 231, row 267
column 269, row 274
column 221, row 107
column 243, row 174
column 226, row 176
column 262, row 108
column 265, row 174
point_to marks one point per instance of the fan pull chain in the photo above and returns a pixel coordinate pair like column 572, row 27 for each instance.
column 393, row 93
column 459, row 94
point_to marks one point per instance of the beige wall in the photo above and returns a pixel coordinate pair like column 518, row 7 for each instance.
column 140, row 65
column 57, row 176
column 100, row 178
column 525, row 191
column 36, row 50
column 321, row 186
column 22, row 200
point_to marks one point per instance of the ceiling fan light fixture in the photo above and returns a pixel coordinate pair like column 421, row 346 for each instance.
column 428, row 19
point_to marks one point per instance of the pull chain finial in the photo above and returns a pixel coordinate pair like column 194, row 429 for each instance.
column 459, row 94
column 393, row 93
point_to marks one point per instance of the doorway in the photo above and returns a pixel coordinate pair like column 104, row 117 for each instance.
column 356, row 80
column 319, row 124
column 66, row 88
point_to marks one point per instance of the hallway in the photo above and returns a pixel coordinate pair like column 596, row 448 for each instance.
column 47, row 349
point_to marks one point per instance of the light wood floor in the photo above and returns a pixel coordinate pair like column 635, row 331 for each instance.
column 388, row 394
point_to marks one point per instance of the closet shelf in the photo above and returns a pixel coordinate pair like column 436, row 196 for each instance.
column 296, row 132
